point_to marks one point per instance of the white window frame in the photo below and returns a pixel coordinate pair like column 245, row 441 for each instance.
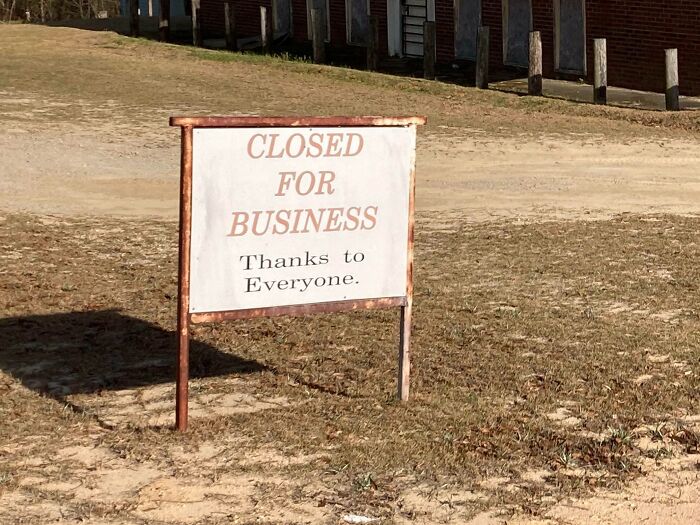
column 394, row 33
column 557, row 40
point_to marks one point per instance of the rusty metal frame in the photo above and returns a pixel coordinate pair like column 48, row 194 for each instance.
column 185, row 318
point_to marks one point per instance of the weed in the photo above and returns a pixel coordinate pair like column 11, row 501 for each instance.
column 365, row 482
column 566, row 458
column 657, row 432
column 620, row 435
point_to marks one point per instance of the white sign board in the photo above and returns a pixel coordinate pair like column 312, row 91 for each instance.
column 292, row 216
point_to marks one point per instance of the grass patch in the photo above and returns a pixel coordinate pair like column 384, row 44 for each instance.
column 533, row 344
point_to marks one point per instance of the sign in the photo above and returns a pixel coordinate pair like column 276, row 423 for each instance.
column 294, row 216
column 286, row 216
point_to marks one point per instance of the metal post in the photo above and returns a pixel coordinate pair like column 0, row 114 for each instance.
column 404, row 379
column 600, row 71
column 672, row 88
column 534, row 73
column 482, row 58
column 429, row 45
column 183, row 303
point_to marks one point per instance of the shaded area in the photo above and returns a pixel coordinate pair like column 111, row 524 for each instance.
column 582, row 92
column 86, row 352
column 180, row 26
column 458, row 71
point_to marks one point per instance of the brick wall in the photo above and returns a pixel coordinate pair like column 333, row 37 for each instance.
column 637, row 33
column 445, row 30
column 491, row 17
column 247, row 14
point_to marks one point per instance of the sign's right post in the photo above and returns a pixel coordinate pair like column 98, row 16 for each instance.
column 404, row 379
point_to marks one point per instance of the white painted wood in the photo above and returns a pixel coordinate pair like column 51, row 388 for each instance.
column 227, row 183
column 394, row 43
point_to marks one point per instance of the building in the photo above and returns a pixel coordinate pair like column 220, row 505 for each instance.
column 637, row 32
column 178, row 8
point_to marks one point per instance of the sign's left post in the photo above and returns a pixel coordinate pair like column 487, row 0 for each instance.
column 183, row 303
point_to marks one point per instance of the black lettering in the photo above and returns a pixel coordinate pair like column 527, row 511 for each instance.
column 250, row 281
column 247, row 260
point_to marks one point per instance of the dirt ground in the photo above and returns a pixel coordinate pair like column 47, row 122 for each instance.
column 555, row 357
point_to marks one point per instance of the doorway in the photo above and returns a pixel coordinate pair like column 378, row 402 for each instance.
column 467, row 22
column 517, row 24
column 325, row 10
column 282, row 17
column 570, row 36
column 357, row 21
column 415, row 13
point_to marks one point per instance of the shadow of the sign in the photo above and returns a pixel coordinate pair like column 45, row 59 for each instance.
column 88, row 352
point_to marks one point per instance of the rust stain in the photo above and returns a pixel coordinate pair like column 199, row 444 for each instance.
column 183, row 304
column 184, row 318
column 302, row 309
column 404, row 371
column 262, row 122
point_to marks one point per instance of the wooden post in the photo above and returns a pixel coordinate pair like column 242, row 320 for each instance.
column 429, row 45
column 183, row 302
column 266, row 30
column 534, row 73
column 372, row 44
column 164, row 21
column 318, row 35
column 134, row 20
column 230, row 27
column 482, row 58
column 200, row 35
column 196, row 24
column 672, row 88
column 600, row 71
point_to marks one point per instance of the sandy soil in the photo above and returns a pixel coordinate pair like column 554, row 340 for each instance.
column 489, row 179
column 95, row 168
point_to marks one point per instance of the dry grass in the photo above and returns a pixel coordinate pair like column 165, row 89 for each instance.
column 84, row 76
column 537, row 347
column 548, row 359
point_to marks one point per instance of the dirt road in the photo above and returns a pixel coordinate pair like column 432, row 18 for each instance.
column 89, row 177
column 487, row 179
column 493, row 155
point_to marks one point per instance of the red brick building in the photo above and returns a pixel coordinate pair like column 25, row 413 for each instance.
column 637, row 31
